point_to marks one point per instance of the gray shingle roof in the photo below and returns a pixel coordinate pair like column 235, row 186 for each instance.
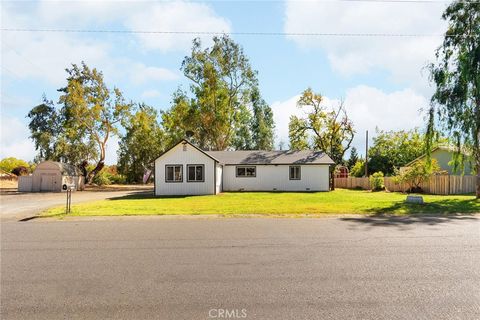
column 271, row 157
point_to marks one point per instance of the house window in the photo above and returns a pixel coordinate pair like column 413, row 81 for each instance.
column 174, row 173
column 247, row 171
column 195, row 173
column 295, row 172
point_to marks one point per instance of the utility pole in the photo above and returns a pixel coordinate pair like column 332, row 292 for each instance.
column 366, row 155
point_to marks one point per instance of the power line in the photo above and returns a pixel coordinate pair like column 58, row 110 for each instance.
column 274, row 1
column 213, row 33
column 23, row 57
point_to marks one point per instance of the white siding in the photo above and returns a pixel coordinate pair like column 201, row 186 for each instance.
column 179, row 157
column 25, row 183
column 219, row 177
column 276, row 177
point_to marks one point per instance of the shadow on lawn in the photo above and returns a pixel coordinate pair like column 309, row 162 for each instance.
column 437, row 208
column 143, row 196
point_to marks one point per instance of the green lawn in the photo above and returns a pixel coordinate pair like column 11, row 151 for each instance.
column 336, row 202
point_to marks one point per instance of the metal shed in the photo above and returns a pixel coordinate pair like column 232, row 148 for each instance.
column 50, row 176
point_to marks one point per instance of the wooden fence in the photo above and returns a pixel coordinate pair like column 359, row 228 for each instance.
column 442, row 184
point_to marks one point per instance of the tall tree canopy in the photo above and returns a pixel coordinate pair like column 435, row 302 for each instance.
column 262, row 124
column 393, row 149
column 222, row 113
column 142, row 142
column 90, row 113
column 45, row 126
column 56, row 141
column 330, row 131
column 455, row 105
column 353, row 158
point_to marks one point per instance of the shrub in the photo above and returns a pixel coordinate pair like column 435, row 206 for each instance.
column 9, row 164
column 358, row 170
column 20, row 171
column 118, row 179
column 418, row 172
column 376, row 181
column 102, row 179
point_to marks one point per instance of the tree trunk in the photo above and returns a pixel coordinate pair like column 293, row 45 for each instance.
column 93, row 173
column 332, row 178
column 100, row 164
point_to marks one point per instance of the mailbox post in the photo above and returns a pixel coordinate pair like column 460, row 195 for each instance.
column 68, row 188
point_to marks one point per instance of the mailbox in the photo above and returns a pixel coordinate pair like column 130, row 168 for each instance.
column 68, row 186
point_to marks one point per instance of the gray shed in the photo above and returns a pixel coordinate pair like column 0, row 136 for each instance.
column 50, row 176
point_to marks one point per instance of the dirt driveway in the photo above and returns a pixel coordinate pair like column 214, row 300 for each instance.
column 16, row 206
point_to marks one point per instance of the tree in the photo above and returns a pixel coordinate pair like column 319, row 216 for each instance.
column 418, row 172
column 180, row 118
column 455, row 105
column 358, row 169
column 8, row 164
column 394, row 149
column 142, row 142
column 89, row 114
column 92, row 111
column 298, row 137
column 330, row 131
column 45, row 126
column 225, row 89
column 242, row 138
column 262, row 123
column 353, row 158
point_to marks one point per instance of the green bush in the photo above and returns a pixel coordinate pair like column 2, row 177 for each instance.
column 118, row 179
column 102, row 179
column 376, row 181
column 418, row 172
column 358, row 170
column 9, row 164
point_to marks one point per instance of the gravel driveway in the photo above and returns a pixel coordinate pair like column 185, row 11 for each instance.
column 16, row 206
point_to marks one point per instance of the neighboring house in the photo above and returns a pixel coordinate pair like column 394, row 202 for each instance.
column 51, row 176
column 341, row 172
column 187, row 170
column 444, row 156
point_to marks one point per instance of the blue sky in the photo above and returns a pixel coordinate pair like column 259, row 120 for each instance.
column 380, row 79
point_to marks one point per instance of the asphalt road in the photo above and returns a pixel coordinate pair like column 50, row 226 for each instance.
column 261, row 268
column 16, row 206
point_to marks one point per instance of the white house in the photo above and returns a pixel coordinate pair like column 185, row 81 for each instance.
column 187, row 170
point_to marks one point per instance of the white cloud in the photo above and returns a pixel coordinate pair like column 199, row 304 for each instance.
column 14, row 139
column 175, row 16
column 111, row 150
column 368, row 108
column 402, row 57
column 45, row 55
column 141, row 74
